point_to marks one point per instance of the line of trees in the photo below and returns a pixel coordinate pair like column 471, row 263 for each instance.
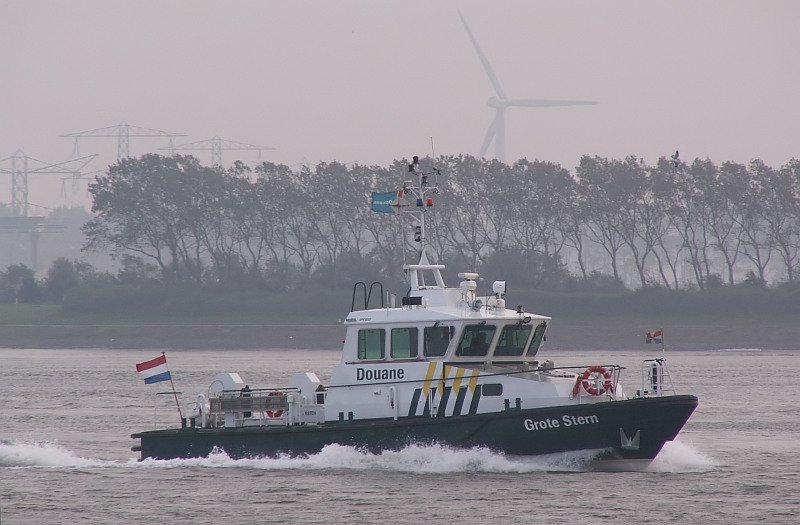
column 672, row 225
column 18, row 283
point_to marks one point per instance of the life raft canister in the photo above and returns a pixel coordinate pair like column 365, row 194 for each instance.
column 590, row 377
column 275, row 413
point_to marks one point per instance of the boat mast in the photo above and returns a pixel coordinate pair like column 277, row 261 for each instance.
column 420, row 193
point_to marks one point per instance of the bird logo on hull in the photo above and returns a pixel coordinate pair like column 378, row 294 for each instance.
column 628, row 443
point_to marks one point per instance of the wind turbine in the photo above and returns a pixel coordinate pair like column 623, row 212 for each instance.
column 497, row 129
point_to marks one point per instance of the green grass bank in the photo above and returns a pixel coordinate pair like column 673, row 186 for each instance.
column 313, row 321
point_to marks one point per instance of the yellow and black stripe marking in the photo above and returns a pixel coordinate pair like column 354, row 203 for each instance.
column 428, row 391
column 461, row 392
column 423, row 392
column 474, row 387
column 426, row 385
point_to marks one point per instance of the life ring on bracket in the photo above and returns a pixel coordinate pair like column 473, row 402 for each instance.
column 274, row 414
column 590, row 380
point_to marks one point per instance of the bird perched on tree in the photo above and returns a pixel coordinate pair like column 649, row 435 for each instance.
column 675, row 158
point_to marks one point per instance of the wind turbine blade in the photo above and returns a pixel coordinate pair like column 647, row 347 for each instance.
column 500, row 136
column 486, row 65
column 547, row 103
column 490, row 134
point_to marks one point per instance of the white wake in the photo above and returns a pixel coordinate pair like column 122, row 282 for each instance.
column 415, row 459
column 678, row 457
column 42, row 454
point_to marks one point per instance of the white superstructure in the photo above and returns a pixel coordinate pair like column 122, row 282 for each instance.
column 443, row 352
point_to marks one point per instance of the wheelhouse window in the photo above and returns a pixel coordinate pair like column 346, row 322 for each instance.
column 404, row 343
column 371, row 343
column 513, row 339
column 536, row 340
column 475, row 340
column 436, row 340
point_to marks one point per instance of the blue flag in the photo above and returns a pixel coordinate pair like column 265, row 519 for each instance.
column 382, row 202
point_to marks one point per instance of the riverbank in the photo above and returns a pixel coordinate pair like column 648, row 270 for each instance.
column 566, row 333
column 137, row 317
column 166, row 336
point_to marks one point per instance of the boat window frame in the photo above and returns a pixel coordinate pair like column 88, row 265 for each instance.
column 450, row 336
column 543, row 325
column 525, row 346
column 414, row 340
column 492, row 389
column 489, row 343
column 358, row 345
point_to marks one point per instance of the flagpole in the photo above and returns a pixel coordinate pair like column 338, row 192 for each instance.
column 180, row 412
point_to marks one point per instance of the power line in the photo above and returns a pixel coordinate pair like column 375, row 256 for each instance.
column 20, row 166
column 122, row 132
column 216, row 145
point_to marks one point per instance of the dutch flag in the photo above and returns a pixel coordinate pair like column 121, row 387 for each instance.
column 154, row 371
column 656, row 337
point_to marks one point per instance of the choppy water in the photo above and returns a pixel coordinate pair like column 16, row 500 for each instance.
column 66, row 417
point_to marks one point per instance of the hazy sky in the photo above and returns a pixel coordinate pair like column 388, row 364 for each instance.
column 370, row 81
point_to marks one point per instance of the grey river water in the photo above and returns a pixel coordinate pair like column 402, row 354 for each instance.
column 66, row 417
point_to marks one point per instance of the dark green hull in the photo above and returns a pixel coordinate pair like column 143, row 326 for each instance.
column 634, row 429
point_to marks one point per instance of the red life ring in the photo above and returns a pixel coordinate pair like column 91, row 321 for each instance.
column 589, row 380
column 275, row 413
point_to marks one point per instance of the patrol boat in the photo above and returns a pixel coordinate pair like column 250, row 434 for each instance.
column 446, row 366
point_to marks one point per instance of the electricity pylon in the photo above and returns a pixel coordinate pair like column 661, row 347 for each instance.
column 216, row 145
column 123, row 133
column 20, row 166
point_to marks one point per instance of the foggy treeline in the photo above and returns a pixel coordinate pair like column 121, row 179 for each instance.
column 671, row 225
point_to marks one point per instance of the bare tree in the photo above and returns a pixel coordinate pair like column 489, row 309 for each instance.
column 602, row 200
column 757, row 242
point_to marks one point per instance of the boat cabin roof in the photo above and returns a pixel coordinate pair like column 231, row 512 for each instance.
column 436, row 322
column 425, row 334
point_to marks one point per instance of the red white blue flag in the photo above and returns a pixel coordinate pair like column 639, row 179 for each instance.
column 656, row 337
column 154, row 371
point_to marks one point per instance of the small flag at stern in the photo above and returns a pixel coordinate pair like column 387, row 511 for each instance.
column 656, row 337
column 154, row 371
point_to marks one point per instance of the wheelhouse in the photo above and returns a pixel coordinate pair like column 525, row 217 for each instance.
column 481, row 340
column 439, row 323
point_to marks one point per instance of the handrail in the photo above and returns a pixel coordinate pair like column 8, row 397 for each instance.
column 353, row 301
column 258, row 390
column 369, row 295
column 494, row 374
column 661, row 382
column 616, row 381
column 366, row 294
